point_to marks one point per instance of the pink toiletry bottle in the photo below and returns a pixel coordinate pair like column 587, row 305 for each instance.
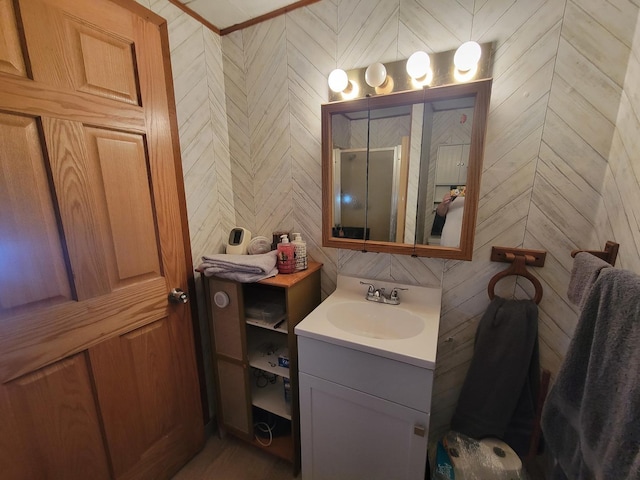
column 286, row 256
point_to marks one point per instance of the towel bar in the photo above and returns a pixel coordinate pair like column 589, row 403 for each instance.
column 609, row 254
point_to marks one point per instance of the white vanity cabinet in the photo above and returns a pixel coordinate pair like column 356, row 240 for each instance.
column 361, row 415
column 365, row 376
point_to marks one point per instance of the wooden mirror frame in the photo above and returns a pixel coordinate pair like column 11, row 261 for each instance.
column 482, row 91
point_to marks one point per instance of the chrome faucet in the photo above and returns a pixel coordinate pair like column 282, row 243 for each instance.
column 377, row 294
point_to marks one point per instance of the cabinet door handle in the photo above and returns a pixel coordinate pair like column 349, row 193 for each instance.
column 419, row 430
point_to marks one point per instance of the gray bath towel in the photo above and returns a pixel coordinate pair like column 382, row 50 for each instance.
column 590, row 419
column 499, row 393
column 585, row 271
column 241, row 268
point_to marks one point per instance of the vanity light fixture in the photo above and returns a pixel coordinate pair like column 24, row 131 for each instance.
column 339, row 83
column 419, row 68
column 470, row 62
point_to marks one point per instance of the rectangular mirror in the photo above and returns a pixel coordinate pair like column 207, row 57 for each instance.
column 401, row 172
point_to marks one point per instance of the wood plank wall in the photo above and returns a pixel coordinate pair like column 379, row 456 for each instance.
column 562, row 163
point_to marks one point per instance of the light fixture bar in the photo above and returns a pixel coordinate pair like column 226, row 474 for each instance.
column 441, row 65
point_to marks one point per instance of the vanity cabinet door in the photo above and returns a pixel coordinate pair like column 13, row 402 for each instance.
column 350, row 434
column 451, row 165
column 451, row 169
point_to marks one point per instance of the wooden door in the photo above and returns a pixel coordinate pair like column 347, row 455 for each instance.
column 97, row 369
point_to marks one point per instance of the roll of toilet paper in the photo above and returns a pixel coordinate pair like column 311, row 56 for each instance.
column 259, row 245
column 501, row 456
column 489, row 458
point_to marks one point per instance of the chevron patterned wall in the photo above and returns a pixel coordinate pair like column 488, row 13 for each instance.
column 562, row 161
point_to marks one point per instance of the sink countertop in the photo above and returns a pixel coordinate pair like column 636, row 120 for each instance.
column 419, row 350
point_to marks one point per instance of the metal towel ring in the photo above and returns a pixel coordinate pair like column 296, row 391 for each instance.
column 518, row 267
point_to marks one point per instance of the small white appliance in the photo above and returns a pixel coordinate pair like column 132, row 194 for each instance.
column 239, row 239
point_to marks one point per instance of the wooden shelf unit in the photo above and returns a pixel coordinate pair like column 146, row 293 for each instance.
column 241, row 344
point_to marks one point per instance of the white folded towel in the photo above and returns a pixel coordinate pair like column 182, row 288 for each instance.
column 241, row 268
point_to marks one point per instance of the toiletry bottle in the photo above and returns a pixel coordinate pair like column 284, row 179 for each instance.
column 286, row 256
column 276, row 239
column 300, row 247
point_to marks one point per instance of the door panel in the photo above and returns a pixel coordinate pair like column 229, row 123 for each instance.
column 128, row 222
column 81, row 47
column 143, row 420
column 27, row 213
column 234, row 385
column 75, row 183
column 98, row 223
column 114, row 79
column 378, row 438
column 229, row 327
column 11, row 60
column 38, row 411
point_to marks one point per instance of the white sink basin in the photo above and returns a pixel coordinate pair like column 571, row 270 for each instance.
column 375, row 320
column 407, row 332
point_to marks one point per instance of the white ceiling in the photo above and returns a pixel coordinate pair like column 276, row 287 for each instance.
column 226, row 13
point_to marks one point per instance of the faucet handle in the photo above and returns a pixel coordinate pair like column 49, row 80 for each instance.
column 394, row 291
column 371, row 288
column 376, row 293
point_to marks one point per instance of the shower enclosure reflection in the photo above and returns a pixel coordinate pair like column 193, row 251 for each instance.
column 383, row 193
column 370, row 180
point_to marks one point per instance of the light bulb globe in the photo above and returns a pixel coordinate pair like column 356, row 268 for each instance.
column 375, row 74
column 338, row 80
column 418, row 65
column 467, row 56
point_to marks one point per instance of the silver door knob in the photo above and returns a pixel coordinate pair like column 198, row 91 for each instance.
column 178, row 296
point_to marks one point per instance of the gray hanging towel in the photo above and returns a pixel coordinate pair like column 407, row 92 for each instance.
column 584, row 273
column 590, row 418
column 498, row 397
